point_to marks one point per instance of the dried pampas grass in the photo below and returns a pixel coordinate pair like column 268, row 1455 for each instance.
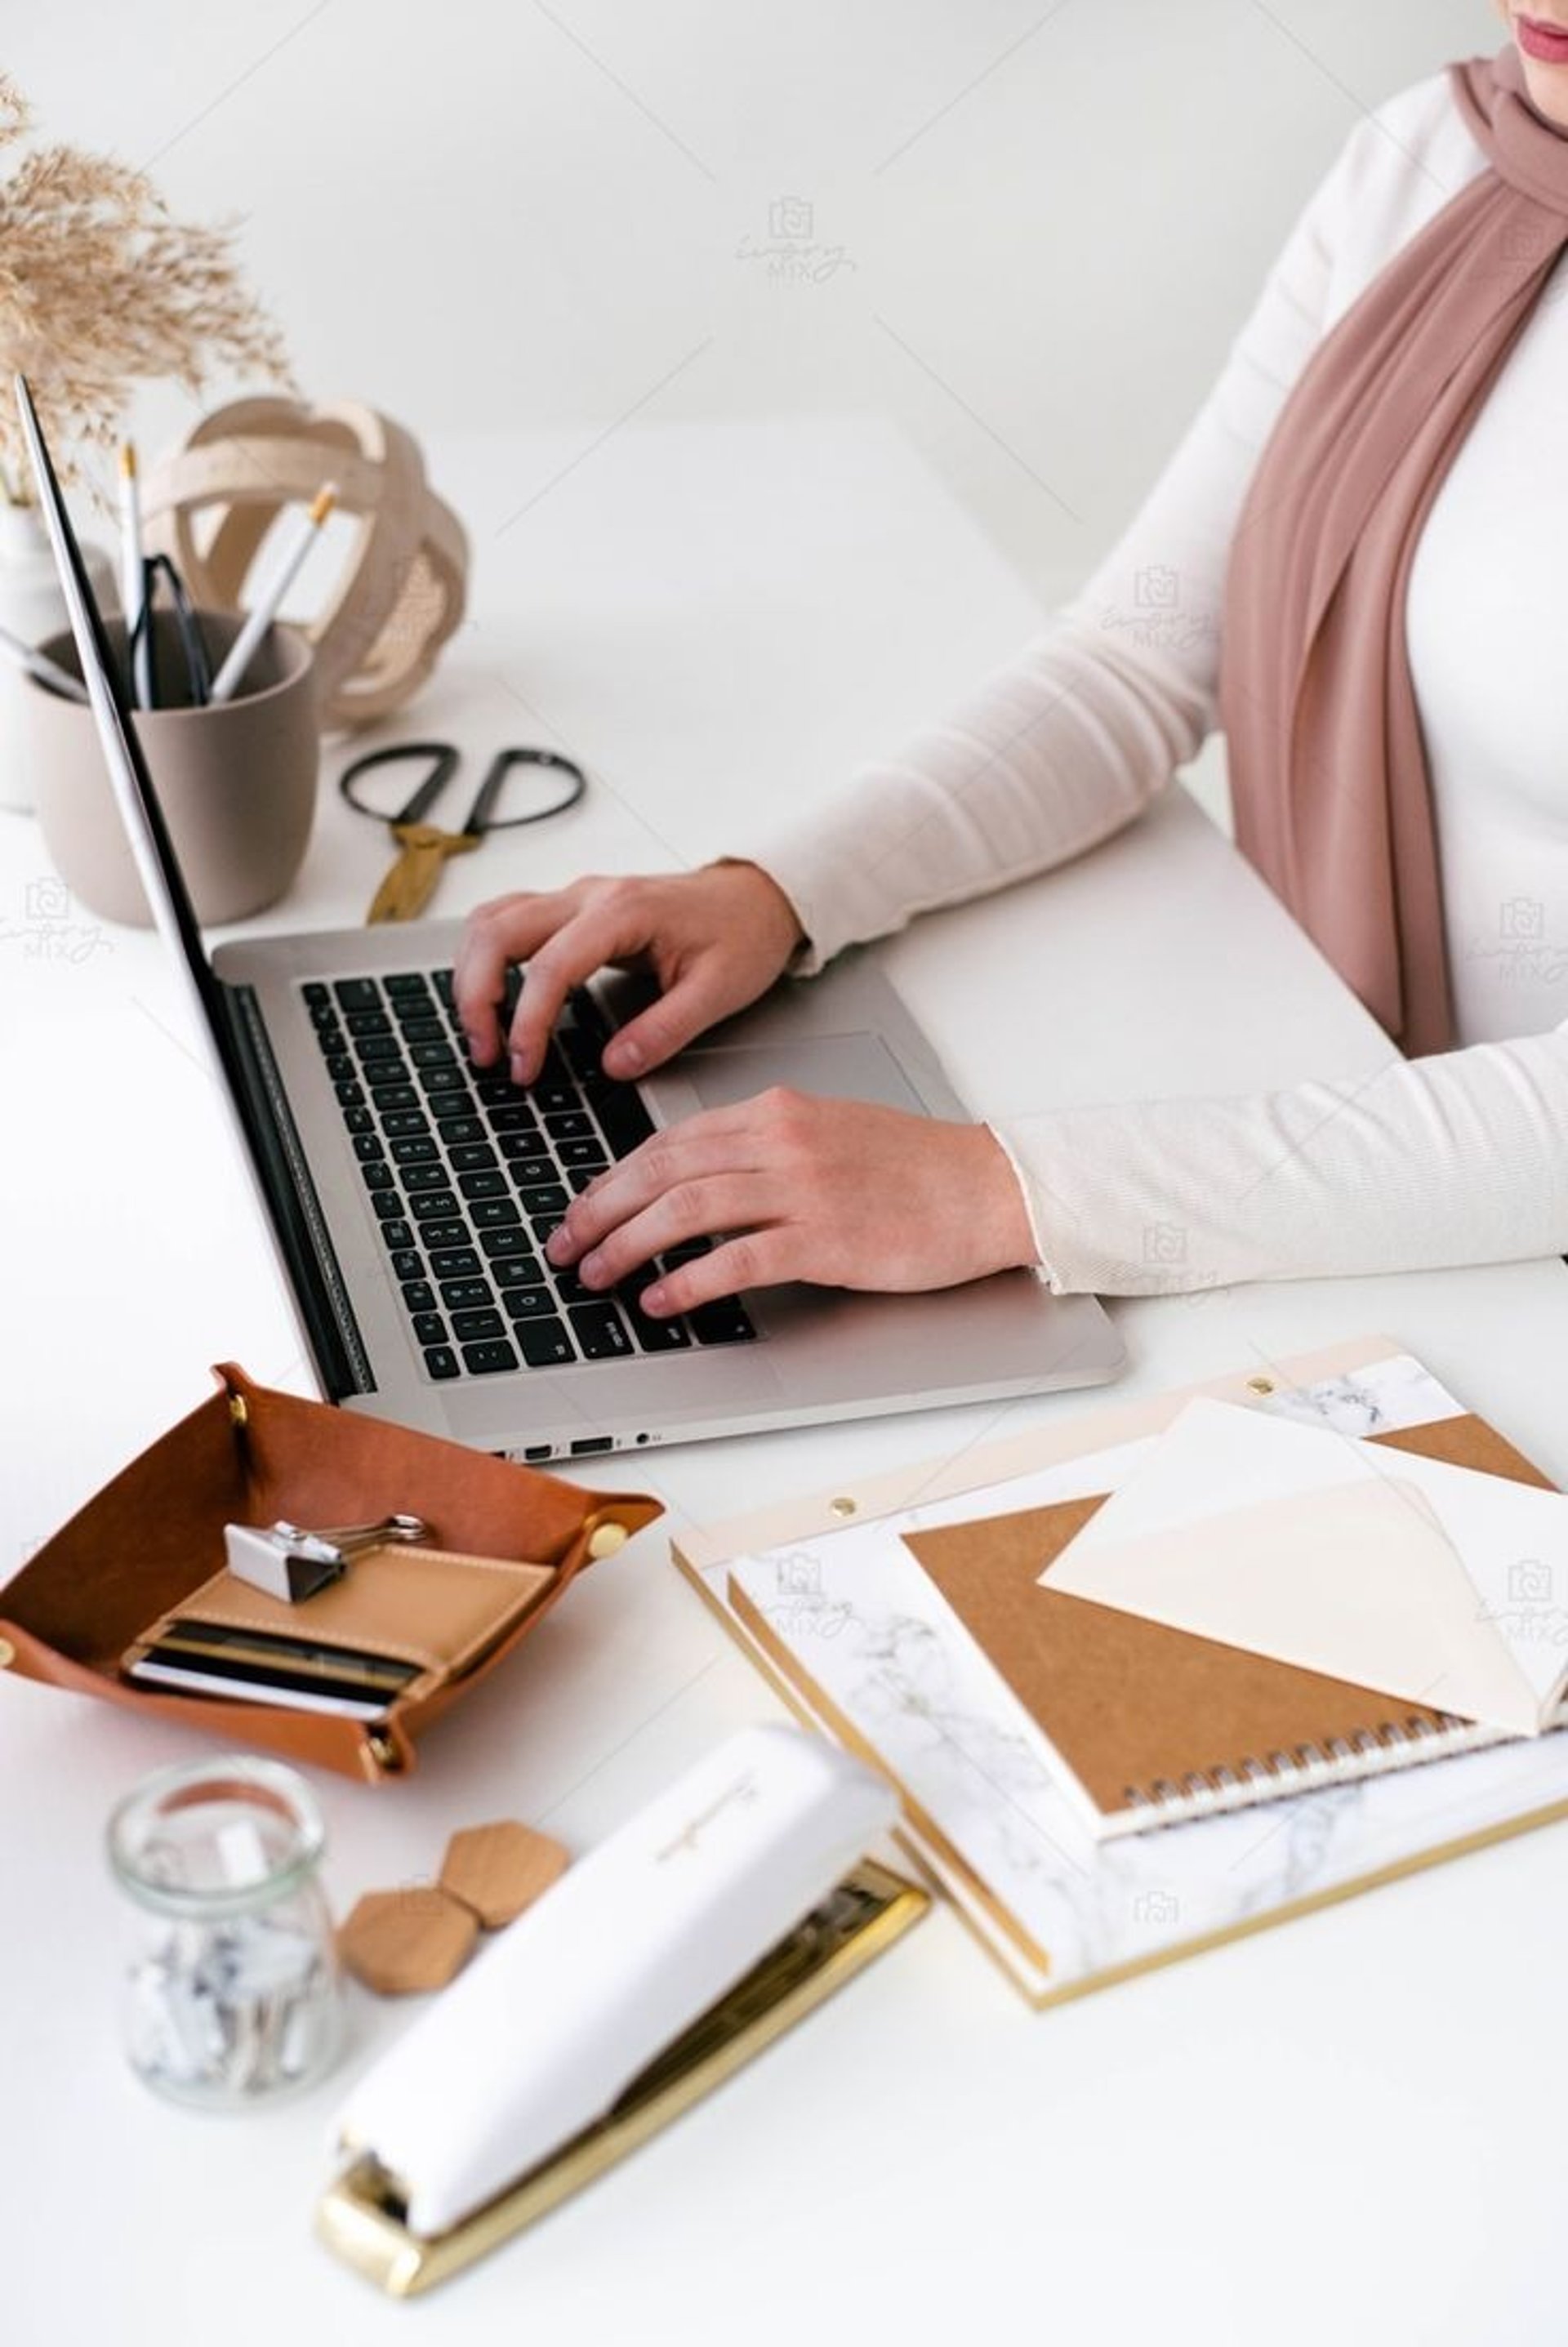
column 101, row 288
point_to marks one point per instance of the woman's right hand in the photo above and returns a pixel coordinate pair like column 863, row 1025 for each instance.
column 715, row 939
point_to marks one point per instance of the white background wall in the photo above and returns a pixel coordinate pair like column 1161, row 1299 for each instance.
column 1024, row 229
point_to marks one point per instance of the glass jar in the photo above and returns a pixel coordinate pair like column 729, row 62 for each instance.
column 231, row 1990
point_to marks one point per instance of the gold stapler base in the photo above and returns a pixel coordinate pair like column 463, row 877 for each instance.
column 363, row 2217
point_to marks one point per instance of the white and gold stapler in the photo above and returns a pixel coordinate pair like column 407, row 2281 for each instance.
column 700, row 1930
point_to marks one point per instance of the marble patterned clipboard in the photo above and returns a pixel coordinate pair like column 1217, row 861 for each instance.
column 825, row 1596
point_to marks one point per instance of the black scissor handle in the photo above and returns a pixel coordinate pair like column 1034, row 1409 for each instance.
column 443, row 760
column 477, row 820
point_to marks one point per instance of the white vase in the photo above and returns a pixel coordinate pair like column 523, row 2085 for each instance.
column 32, row 607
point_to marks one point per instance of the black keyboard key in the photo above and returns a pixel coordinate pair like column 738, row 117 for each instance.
column 367, row 1146
column 689, row 1251
column 419, row 1148
column 528, row 1171
column 359, row 1121
column 402, row 1123
column 350, row 1095
column 418, row 1027
column 369, row 1022
column 472, row 1157
column 454, row 1262
column 496, row 1091
column 582, row 1152
column 545, row 1226
column 528, row 1303
column 429, row 1327
column 398, row 1237
column 358, row 993
column 527, row 1141
column 544, row 1198
column 419, row 1297
column 442, row 1235
column 433, row 1206
column 441, row 979
column 433, row 1055
column 407, row 1262
column 341, row 1067
column 407, row 981
column 316, row 995
column 386, row 1205
column 723, row 1322
column 483, row 1184
column 491, row 1214
column 453, row 1111
column 484, row 1360
column 544, row 1343
column 449, row 1079
column 501, row 1244
column 466, row 1295
column 651, row 1336
column 581, row 1176
column 623, row 1120
column 441, row 1361
column 600, row 1332
column 429, row 1176
column 485, row 1322
column 568, row 1124
column 379, row 1046
column 393, row 1096
column 570, row 1290
column 377, row 1176
column 550, row 1096
column 329, row 1029
column 512, row 1116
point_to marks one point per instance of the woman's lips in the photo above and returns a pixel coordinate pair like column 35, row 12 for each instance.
column 1548, row 44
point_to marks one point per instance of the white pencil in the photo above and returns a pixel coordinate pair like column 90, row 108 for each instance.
column 39, row 664
column 133, row 575
column 232, row 673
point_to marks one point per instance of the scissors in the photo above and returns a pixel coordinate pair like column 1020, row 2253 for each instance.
column 422, row 846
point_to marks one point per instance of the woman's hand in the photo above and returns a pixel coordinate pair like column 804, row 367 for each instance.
column 833, row 1191
column 714, row 939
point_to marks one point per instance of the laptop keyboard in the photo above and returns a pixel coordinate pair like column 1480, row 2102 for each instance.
column 469, row 1173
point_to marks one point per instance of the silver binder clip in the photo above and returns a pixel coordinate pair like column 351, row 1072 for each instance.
column 289, row 1562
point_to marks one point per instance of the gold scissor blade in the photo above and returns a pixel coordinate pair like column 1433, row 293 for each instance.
column 411, row 882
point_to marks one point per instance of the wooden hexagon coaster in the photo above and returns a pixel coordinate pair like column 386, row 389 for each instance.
column 499, row 1870
column 401, row 1942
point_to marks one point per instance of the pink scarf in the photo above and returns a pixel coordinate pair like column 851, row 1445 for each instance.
column 1328, row 770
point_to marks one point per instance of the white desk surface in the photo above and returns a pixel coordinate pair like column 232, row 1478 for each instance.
column 1340, row 2129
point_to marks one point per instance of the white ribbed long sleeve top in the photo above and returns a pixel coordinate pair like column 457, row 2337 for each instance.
column 1462, row 1158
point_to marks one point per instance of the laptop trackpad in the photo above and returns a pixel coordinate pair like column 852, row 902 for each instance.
column 838, row 1067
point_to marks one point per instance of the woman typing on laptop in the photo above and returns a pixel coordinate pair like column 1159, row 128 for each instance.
column 1354, row 562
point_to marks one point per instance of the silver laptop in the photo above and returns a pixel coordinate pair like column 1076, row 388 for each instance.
column 408, row 1196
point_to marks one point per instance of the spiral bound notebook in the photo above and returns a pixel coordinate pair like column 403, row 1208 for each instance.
column 1150, row 1725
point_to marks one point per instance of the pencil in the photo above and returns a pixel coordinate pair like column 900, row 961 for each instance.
column 39, row 665
column 133, row 578
column 241, row 652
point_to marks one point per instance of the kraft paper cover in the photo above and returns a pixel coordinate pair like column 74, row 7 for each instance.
column 1129, row 1703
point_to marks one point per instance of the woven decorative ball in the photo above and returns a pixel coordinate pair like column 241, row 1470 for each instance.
column 211, row 504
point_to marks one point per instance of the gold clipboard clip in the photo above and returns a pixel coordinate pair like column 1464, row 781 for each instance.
column 363, row 2217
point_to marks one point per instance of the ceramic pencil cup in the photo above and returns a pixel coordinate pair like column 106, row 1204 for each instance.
column 236, row 780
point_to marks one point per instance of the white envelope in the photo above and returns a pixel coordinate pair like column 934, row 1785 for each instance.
column 1428, row 1582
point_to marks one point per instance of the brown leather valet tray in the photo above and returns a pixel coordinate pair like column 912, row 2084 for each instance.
column 152, row 1540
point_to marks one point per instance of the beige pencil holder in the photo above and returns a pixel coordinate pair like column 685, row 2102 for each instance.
column 237, row 782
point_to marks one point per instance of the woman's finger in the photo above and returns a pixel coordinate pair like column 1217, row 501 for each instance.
column 497, row 933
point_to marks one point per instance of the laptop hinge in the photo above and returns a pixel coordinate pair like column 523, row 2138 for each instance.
column 293, row 1202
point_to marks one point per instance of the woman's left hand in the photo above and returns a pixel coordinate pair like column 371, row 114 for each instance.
column 832, row 1191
